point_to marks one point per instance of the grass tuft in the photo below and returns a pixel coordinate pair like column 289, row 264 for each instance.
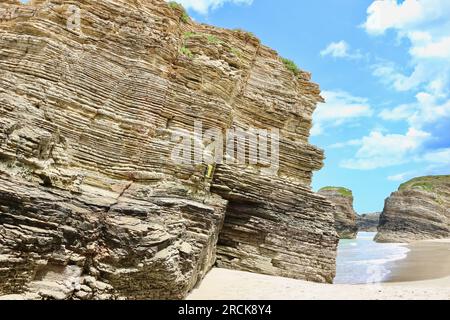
column 189, row 34
column 290, row 65
column 212, row 39
column 186, row 52
column 176, row 6
column 343, row 191
column 247, row 33
column 236, row 52
column 427, row 183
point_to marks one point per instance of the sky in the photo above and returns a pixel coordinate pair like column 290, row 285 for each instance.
column 384, row 70
column 383, row 67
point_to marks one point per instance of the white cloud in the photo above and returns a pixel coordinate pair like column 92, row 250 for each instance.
column 390, row 75
column 404, row 176
column 386, row 14
column 203, row 6
column 340, row 49
column 392, row 14
column 340, row 107
column 350, row 143
column 438, row 157
column 402, row 112
column 380, row 150
column 432, row 49
column 435, row 162
column 336, row 49
column 316, row 130
column 429, row 110
column 425, row 111
column 425, row 24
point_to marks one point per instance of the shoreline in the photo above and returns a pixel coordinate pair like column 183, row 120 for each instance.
column 415, row 277
column 244, row 286
column 425, row 260
column 424, row 274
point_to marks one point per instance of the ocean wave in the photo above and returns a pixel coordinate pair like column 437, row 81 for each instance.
column 365, row 261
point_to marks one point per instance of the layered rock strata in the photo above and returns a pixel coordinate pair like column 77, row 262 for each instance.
column 344, row 214
column 92, row 206
column 368, row 222
column 419, row 210
column 272, row 226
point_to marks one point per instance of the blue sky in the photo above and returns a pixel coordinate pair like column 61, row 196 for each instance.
column 383, row 67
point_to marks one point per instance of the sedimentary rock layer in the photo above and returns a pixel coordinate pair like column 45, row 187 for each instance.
column 272, row 226
column 344, row 214
column 419, row 210
column 91, row 204
column 368, row 222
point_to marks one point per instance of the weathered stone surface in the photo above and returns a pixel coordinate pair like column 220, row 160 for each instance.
column 368, row 222
column 92, row 207
column 344, row 214
column 419, row 210
column 274, row 226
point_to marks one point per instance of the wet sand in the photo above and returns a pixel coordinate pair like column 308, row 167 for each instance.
column 426, row 260
column 423, row 275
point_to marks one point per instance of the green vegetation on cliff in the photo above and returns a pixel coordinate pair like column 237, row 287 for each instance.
column 427, row 183
column 186, row 52
column 176, row 6
column 343, row 191
column 290, row 65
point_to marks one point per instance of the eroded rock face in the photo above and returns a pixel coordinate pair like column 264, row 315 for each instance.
column 92, row 207
column 419, row 210
column 368, row 222
column 274, row 226
column 344, row 214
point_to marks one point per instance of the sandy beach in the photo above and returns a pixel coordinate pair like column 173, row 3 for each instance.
column 427, row 260
column 423, row 274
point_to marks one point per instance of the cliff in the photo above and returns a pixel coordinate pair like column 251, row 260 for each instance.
column 92, row 205
column 368, row 222
column 419, row 210
column 344, row 214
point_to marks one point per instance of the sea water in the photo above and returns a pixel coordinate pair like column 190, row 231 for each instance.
column 362, row 260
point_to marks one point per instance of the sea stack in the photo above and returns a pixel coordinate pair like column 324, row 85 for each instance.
column 344, row 214
column 92, row 96
column 419, row 210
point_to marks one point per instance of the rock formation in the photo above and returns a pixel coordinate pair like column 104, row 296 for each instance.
column 91, row 205
column 344, row 214
column 419, row 210
column 368, row 222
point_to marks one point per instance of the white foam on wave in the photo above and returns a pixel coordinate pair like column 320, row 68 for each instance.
column 379, row 261
column 365, row 261
column 366, row 236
